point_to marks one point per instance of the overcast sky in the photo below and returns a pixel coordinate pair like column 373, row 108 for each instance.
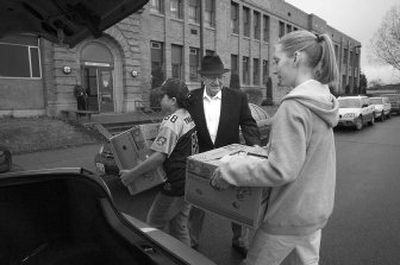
column 358, row 19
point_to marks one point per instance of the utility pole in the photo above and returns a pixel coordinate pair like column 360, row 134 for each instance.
column 201, row 29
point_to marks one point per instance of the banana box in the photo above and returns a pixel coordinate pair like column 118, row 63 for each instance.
column 245, row 205
column 130, row 148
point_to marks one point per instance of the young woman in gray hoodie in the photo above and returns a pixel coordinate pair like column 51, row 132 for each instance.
column 300, row 172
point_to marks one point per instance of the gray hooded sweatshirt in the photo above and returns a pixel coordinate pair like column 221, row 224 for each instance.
column 300, row 172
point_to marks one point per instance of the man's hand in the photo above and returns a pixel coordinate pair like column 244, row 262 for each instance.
column 127, row 176
column 217, row 182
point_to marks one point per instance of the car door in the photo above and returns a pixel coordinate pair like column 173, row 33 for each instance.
column 67, row 216
column 386, row 105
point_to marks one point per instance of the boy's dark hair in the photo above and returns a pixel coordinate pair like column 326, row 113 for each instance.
column 176, row 88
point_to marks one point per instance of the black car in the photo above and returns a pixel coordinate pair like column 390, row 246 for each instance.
column 67, row 216
column 5, row 159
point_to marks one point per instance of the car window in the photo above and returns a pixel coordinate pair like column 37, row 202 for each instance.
column 349, row 103
column 376, row 101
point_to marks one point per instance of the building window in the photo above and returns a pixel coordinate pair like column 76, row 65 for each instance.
column 194, row 11
column 295, row 29
column 256, row 71
column 356, row 60
column 157, row 6
column 234, row 64
column 209, row 14
column 157, row 63
column 351, row 58
column 266, row 29
column 337, row 53
column 288, row 28
column 246, row 21
column 281, row 29
column 20, row 57
column 176, row 61
column 345, row 56
column 194, row 64
column 176, row 9
column 265, row 72
column 257, row 25
column 235, row 18
column 246, row 76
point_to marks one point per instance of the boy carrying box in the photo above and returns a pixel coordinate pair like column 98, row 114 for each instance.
column 176, row 140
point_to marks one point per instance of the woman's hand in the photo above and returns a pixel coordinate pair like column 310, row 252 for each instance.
column 127, row 176
column 217, row 182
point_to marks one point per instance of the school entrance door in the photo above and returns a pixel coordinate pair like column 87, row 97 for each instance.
column 98, row 82
column 97, row 76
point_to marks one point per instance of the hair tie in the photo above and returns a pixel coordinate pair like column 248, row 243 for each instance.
column 319, row 38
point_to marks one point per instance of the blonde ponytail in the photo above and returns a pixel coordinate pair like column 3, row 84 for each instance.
column 320, row 54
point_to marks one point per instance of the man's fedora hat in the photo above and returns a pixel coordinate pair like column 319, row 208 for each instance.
column 212, row 65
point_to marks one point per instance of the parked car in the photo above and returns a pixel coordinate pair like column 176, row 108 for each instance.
column 67, row 216
column 394, row 100
column 382, row 107
column 105, row 162
column 355, row 111
column 5, row 159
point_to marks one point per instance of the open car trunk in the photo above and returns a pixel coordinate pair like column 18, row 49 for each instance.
column 66, row 216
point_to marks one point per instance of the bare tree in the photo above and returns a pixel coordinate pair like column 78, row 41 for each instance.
column 386, row 41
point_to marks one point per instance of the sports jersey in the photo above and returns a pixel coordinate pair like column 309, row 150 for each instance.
column 177, row 138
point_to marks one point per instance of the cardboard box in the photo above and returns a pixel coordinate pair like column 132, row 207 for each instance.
column 245, row 205
column 130, row 148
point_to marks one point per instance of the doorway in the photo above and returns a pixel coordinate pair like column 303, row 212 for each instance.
column 98, row 82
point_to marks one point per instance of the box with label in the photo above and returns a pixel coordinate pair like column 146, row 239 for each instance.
column 245, row 205
column 130, row 148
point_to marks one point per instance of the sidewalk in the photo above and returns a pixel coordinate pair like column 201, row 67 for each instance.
column 82, row 156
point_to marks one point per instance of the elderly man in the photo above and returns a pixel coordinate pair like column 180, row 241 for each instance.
column 218, row 112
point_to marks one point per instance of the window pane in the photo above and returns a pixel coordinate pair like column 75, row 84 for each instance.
column 281, row 29
column 35, row 63
column 246, row 22
column 209, row 13
column 14, row 61
column 234, row 64
column 176, row 61
column 266, row 29
column 194, row 11
column 157, row 5
column 157, row 63
column 194, row 62
column 176, row 8
column 246, row 76
column 256, row 24
column 235, row 18
column 288, row 28
column 256, row 71
column 265, row 71
column 345, row 56
column 95, row 52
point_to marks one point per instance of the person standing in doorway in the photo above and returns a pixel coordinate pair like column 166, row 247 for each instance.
column 218, row 113
column 81, row 96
